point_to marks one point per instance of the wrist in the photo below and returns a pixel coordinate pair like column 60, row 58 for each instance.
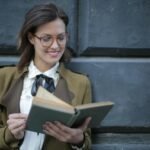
column 79, row 146
column 20, row 135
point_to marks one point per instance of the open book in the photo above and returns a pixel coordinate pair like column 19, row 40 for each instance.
column 47, row 107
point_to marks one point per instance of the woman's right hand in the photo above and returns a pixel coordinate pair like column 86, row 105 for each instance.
column 16, row 124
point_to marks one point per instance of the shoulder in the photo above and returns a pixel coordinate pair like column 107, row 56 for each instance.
column 78, row 76
column 8, row 71
column 74, row 77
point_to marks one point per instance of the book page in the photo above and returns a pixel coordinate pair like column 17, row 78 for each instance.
column 96, row 104
column 52, row 105
column 44, row 94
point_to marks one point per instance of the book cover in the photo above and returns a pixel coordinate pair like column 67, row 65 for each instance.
column 47, row 107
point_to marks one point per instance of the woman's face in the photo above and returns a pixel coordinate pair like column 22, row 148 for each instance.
column 49, row 43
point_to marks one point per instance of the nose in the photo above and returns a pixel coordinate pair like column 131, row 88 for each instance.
column 54, row 44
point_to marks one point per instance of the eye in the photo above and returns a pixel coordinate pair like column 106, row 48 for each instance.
column 61, row 37
column 46, row 38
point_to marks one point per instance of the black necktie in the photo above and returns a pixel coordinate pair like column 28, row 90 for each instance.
column 44, row 81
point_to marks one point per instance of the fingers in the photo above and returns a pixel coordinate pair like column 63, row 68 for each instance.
column 16, row 130
column 59, row 128
column 55, row 131
column 63, row 133
column 16, row 124
column 72, row 135
column 17, row 116
column 16, row 121
column 13, row 123
column 85, row 124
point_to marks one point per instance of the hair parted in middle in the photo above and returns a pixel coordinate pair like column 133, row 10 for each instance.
column 35, row 17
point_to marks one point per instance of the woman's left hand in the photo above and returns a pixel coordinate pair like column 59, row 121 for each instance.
column 64, row 133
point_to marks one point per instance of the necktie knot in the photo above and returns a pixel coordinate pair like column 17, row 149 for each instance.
column 44, row 81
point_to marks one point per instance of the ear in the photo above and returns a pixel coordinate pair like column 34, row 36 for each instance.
column 31, row 38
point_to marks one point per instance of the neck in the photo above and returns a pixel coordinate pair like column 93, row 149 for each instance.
column 43, row 67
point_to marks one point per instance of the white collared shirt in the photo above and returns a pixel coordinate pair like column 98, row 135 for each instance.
column 32, row 140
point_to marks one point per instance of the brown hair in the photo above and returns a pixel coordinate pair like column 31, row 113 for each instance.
column 35, row 17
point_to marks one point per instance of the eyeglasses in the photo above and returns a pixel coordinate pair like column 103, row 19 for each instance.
column 47, row 40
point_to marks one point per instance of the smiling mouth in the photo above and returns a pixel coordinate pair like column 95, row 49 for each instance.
column 53, row 53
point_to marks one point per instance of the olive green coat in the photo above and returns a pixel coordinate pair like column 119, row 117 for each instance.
column 72, row 87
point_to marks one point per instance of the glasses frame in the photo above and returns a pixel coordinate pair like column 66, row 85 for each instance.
column 54, row 37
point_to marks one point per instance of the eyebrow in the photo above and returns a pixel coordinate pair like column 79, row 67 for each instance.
column 53, row 35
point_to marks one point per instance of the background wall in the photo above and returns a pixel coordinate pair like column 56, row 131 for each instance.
column 111, row 40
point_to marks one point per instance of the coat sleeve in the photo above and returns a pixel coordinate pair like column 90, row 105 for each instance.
column 87, row 99
column 7, row 140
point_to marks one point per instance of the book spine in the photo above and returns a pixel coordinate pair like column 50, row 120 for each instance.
column 73, row 118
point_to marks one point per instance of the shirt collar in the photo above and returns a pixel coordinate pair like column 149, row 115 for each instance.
column 34, row 71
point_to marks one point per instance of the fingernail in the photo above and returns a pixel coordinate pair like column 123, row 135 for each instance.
column 56, row 122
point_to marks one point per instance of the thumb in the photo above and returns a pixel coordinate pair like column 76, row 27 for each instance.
column 85, row 124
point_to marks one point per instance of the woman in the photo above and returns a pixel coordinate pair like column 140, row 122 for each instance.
column 42, row 41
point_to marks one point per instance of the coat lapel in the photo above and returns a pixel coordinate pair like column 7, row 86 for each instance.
column 63, row 92
column 12, row 97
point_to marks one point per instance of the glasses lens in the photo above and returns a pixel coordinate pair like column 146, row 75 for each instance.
column 61, row 39
column 46, row 40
